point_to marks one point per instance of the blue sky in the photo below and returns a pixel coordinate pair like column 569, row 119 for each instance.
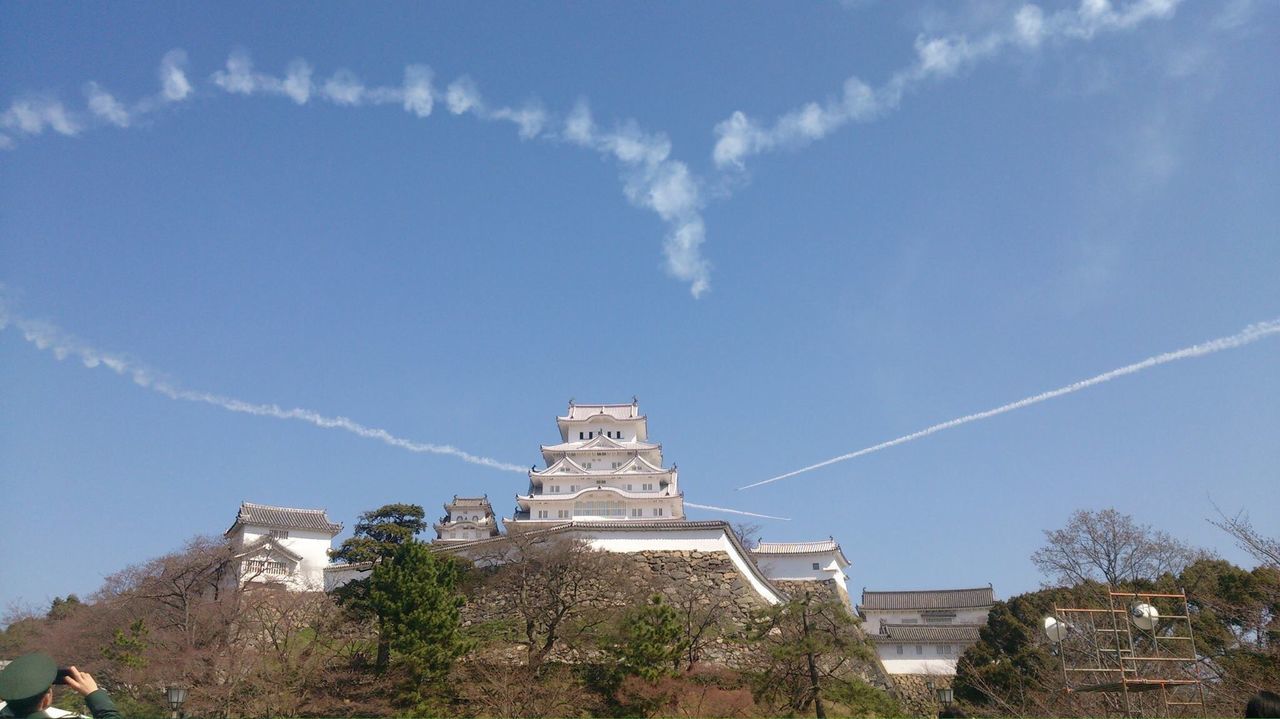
column 793, row 231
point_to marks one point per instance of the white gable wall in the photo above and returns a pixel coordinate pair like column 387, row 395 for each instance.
column 312, row 545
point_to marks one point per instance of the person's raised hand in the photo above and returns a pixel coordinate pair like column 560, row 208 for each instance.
column 81, row 681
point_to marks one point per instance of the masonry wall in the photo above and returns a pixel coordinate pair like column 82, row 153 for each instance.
column 711, row 579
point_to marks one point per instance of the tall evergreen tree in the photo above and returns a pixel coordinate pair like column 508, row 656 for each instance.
column 379, row 532
column 416, row 600
column 652, row 640
column 377, row 536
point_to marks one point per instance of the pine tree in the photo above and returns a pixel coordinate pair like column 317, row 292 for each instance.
column 415, row 597
column 377, row 536
column 652, row 641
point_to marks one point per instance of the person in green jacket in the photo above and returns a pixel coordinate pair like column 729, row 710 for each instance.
column 26, row 684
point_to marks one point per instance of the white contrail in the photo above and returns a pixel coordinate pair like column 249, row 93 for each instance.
column 1250, row 334
column 652, row 178
column 735, row 511
column 48, row 337
column 740, row 137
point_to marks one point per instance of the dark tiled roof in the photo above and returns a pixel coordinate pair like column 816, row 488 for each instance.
column 826, row 545
column 929, row 599
column 265, row 515
column 471, row 501
column 927, row 633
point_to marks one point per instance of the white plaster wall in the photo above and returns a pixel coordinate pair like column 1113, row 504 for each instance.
column 799, row 566
column 339, row 575
column 312, row 545
column 919, row 665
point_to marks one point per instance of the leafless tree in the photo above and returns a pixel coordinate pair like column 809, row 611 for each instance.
column 558, row 591
column 748, row 534
column 1110, row 547
column 704, row 617
column 1263, row 548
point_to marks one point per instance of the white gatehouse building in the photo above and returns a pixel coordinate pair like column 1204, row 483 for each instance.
column 282, row 545
column 924, row 632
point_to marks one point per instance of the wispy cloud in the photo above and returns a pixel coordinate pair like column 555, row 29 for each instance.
column 49, row 338
column 104, row 105
column 740, row 137
column 174, row 86
column 1247, row 336
column 31, row 116
column 653, row 180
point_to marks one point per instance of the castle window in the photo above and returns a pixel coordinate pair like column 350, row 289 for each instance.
column 637, row 512
column 815, row 566
column 279, row 533
column 590, row 435
column 580, row 436
column 628, row 488
column 657, row 512
column 542, row 514
column 564, row 514
column 919, row 650
column 599, row 508
column 899, row 648
column 648, row 487
column 267, row 566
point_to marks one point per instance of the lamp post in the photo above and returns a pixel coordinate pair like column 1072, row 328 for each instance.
column 176, row 694
column 945, row 697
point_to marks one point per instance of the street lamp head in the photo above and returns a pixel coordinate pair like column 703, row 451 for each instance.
column 176, row 694
column 945, row 696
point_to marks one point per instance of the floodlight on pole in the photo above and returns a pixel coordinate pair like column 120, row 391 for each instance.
column 1144, row 616
column 1055, row 630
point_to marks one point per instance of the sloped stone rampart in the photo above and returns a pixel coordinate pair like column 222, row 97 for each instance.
column 713, row 584
column 709, row 580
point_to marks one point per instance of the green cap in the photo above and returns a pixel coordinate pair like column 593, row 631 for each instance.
column 27, row 676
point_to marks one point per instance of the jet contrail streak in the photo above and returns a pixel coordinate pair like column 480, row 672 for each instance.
column 1250, row 334
column 47, row 337
column 735, row 511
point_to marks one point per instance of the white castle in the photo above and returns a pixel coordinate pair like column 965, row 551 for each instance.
column 604, row 468
column 605, row 483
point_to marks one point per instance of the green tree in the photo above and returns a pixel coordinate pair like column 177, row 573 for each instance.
column 809, row 646
column 1012, row 666
column 651, row 641
column 127, row 649
column 377, row 536
column 61, row 608
column 416, row 600
column 380, row 532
